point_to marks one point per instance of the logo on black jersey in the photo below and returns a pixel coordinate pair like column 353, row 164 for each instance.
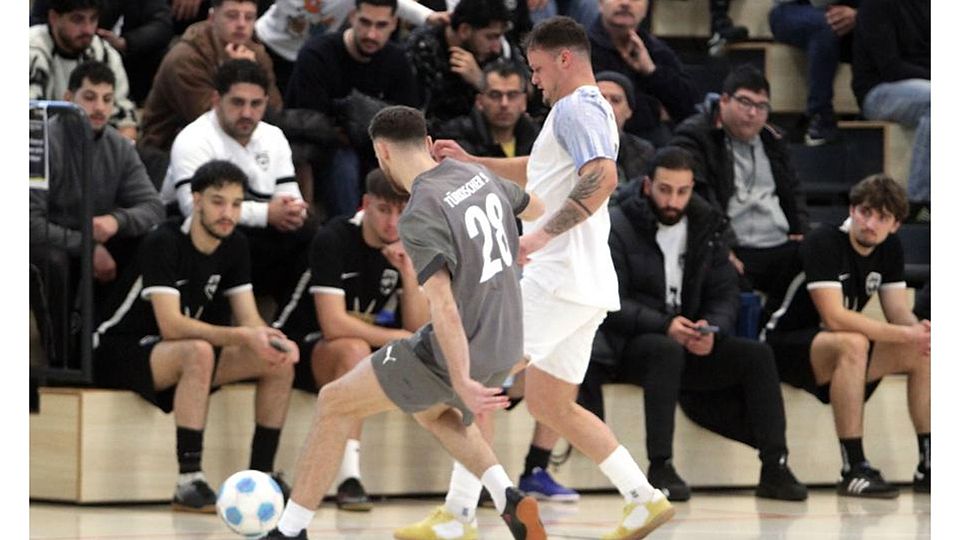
column 211, row 287
column 263, row 160
column 388, row 281
column 873, row 282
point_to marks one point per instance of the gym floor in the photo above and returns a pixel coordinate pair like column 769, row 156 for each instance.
column 708, row 515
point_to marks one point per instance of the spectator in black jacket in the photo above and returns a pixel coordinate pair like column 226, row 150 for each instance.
column 139, row 31
column 498, row 125
column 891, row 79
column 635, row 153
column 449, row 60
column 360, row 62
column 663, row 88
column 672, row 335
column 743, row 167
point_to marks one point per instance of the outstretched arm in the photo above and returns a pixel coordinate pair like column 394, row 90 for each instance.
column 513, row 169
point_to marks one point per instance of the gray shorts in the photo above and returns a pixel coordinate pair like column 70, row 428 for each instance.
column 414, row 384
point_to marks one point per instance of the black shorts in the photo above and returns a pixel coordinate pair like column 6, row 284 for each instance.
column 792, row 352
column 123, row 363
column 303, row 372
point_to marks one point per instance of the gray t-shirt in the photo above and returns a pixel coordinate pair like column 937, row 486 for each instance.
column 461, row 216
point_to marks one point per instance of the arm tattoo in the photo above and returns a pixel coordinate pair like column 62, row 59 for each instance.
column 574, row 211
column 565, row 218
column 588, row 185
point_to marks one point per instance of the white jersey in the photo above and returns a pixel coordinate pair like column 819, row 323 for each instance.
column 575, row 266
column 266, row 160
column 286, row 25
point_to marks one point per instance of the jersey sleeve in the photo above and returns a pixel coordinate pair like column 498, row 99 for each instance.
column 326, row 262
column 286, row 181
column 518, row 198
column 893, row 264
column 159, row 255
column 822, row 259
column 582, row 130
column 237, row 278
column 427, row 239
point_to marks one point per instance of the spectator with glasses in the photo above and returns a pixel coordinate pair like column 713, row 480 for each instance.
column 743, row 167
column 498, row 125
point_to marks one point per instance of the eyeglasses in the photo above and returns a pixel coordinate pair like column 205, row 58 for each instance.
column 497, row 95
column 747, row 104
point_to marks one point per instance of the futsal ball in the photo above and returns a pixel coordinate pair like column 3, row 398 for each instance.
column 250, row 503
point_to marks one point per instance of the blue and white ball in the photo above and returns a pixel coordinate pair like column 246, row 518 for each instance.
column 250, row 503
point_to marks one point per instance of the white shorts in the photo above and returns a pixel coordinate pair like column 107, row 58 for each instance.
column 558, row 334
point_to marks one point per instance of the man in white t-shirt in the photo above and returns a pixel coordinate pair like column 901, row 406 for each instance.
column 569, row 283
column 273, row 215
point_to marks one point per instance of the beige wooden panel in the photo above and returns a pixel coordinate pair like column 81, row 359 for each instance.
column 786, row 69
column 54, row 446
column 128, row 449
column 691, row 18
column 128, row 446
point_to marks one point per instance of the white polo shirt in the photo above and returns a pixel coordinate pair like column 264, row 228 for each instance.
column 575, row 266
column 266, row 160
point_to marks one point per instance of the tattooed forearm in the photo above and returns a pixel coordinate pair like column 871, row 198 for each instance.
column 565, row 218
column 574, row 209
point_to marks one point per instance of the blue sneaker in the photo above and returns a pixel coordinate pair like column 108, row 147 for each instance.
column 541, row 486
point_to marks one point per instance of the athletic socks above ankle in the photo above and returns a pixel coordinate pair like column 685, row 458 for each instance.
column 626, row 475
column 189, row 449
column 264, row 448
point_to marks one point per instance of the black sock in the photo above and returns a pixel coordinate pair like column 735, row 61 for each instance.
column 264, row 448
column 923, row 441
column 189, row 449
column 657, row 462
column 536, row 457
column 851, row 451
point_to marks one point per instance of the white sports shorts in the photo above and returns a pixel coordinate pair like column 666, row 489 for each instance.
column 558, row 334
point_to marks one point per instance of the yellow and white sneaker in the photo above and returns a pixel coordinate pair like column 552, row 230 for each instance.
column 639, row 520
column 439, row 525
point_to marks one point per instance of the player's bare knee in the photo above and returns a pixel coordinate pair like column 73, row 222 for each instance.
column 334, row 399
column 855, row 349
column 544, row 406
column 354, row 350
column 198, row 359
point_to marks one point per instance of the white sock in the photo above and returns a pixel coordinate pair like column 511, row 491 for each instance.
column 350, row 466
column 463, row 494
column 496, row 481
column 295, row 518
column 186, row 478
column 624, row 472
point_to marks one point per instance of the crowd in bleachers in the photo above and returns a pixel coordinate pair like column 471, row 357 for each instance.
column 276, row 96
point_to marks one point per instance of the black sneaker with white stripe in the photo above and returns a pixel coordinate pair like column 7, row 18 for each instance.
column 865, row 481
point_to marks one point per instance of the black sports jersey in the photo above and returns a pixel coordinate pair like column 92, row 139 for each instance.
column 168, row 263
column 830, row 261
column 342, row 263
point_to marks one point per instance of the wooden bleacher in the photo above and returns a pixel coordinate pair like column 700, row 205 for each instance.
column 95, row 446
column 691, row 18
column 786, row 69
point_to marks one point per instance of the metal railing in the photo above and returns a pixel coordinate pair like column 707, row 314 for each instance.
column 67, row 346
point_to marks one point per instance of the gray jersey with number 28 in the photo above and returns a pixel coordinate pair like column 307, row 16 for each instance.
column 462, row 216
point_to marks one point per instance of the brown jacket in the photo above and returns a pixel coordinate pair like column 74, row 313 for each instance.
column 183, row 87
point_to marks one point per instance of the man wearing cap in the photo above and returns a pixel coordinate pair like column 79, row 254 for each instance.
column 635, row 153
